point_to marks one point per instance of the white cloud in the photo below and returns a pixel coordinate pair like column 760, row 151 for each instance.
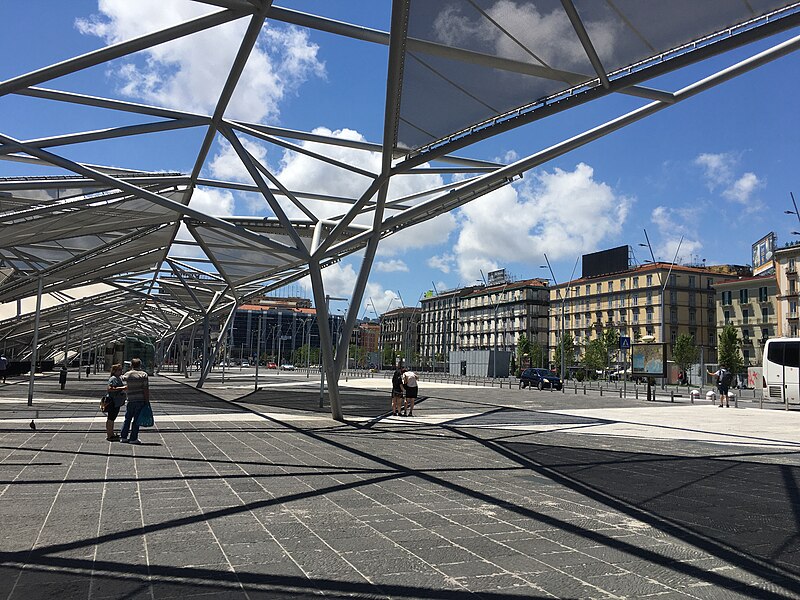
column 674, row 224
column 212, row 201
column 188, row 73
column 562, row 213
column 443, row 262
column 717, row 168
column 720, row 173
column 391, row 266
column 380, row 299
column 742, row 189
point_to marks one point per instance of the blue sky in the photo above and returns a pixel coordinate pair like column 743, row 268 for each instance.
column 716, row 169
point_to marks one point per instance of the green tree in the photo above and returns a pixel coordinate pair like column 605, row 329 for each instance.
column 388, row 357
column 568, row 345
column 610, row 339
column 730, row 350
column 523, row 348
column 685, row 352
column 595, row 356
column 536, row 354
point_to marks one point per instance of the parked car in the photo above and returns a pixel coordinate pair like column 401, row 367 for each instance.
column 272, row 365
column 540, row 378
column 245, row 363
column 287, row 367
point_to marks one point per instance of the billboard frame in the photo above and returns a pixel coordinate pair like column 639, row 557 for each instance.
column 648, row 352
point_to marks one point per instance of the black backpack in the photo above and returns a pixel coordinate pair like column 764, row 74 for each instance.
column 726, row 378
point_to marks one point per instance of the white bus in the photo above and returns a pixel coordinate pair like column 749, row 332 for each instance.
column 782, row 370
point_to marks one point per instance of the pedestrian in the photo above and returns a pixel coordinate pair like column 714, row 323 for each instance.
column 397, row 391
column 138, row 394
column 3, row 366
column 724, row 377
column 62, row 376
column 88, row 371
column 116, row 391
column 410, row 388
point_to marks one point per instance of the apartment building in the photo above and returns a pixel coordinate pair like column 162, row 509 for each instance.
column 750, row 304
column 494, row 317
column 786, row 260
column 656, row 299
column 438, row 334
column 400, row 333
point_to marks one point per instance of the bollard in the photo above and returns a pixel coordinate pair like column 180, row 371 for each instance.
column 735, row 398
column 672, row 395
column 601, row 391
column 711, row 396
column 636, row 390
column 694, row 395
column 620, row 394
column 584, row 390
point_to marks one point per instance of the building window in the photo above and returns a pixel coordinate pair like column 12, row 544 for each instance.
column 649, row 315
column 765, row 313
column 610, row 286
column 726, row 298
column 635, row 315
column 793, row 308
column 727, row 316
column 763, row 294
column 649, row 280
column 673, row 316
column 792, row 286
column 635, row 299
column 692, row 299
column 588, row 289
column 622, row 284
column 636, row 282
column 691, row 281
column 692, row 317
column 745, row 316
column 744, row 296
column 649, row 295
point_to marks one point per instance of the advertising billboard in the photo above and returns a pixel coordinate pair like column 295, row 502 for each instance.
column 762, row 254
column 649, row 360
column 604, row 262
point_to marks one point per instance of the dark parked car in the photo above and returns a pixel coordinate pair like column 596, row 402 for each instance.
column 540, row 378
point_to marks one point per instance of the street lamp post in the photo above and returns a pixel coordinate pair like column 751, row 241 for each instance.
column 663, row 289
column 561, row 328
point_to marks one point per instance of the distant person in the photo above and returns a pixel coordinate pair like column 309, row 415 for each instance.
column 88, row 371
column 138, row 393
column 62, row 376
column 410, row 387
column 3, row 366
column 116, row 390
column 724, row 378
column 397, row 391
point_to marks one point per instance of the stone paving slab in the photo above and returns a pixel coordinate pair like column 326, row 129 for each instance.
column 269, row 498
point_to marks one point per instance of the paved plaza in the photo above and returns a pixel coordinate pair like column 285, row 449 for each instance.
column 485, row 493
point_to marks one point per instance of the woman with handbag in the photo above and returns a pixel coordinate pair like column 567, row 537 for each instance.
column 115, row 398
column 138, row 392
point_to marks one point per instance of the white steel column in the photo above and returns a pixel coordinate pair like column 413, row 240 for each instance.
column 35, row 344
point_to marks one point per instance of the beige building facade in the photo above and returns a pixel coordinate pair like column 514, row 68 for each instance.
column 786, row 260
column 656, row 299
column 750, row 304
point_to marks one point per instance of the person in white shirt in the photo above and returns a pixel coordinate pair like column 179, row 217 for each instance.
column 411, row 388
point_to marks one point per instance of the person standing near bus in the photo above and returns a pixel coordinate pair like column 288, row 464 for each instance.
column 724, row 378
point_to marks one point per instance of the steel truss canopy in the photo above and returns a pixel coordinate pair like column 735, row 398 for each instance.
column 115, row 248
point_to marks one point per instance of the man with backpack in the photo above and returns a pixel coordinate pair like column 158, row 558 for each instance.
column 724, row 379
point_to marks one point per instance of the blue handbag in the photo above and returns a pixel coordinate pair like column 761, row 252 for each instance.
column 146, row 416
